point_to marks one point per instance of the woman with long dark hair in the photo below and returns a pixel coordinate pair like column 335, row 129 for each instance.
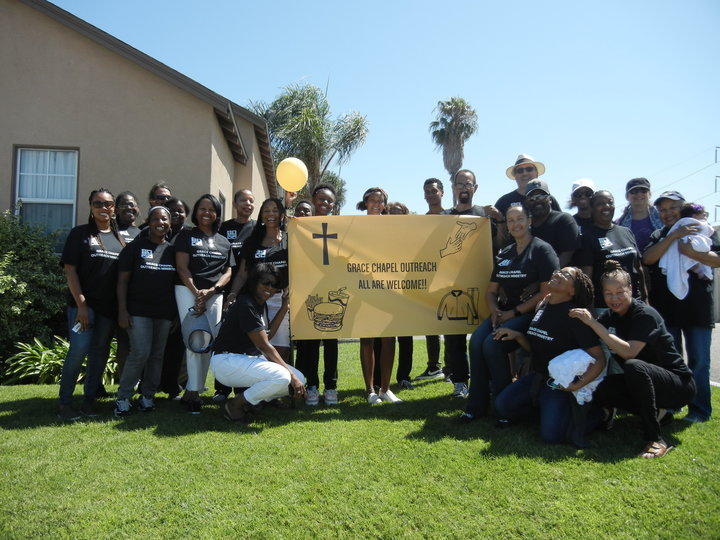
column 204, row 264
column 90, row 262
column 268, row 244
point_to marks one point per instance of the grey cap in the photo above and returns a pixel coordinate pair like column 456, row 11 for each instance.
column 537, row 185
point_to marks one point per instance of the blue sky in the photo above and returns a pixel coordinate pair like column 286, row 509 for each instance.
column 603, row 90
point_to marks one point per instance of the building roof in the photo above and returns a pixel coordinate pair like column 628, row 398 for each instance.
column 225, row 110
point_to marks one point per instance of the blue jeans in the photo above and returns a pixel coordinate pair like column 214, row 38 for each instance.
column 697, row 345
column 489, row 363
column 93, row 343
column 516, row 403
column 147, row 348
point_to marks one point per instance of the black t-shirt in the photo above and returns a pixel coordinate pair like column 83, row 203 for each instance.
column 129, row 233
column 236, row 233
column 244, row 316
column 152, row 277
column 600, row 245
column 559, row 230
column 515, row 199
column 95, row 259
column 552, row 332
column 519, row 276
column 643, row 323
column 209, row 255
column 697, row 308
column 276, row 255
column 474, row 210
column 582, row 221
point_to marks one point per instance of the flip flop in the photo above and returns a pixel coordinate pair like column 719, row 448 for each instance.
column 227, row 416
column 655, row 449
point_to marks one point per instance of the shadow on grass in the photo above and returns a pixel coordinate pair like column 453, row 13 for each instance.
column 438, row 415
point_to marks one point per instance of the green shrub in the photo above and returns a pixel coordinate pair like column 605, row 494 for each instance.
column 32, row 286
column 38, row 364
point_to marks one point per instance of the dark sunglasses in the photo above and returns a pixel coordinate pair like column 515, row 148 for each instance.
column 583, row 194
column 538, row 197
column 103, row 204
column 636, row 190
column 519, row 170
column 161, row 198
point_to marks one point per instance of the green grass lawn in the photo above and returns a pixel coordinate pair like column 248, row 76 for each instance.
column 353, row 471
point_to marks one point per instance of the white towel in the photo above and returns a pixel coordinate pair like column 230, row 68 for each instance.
column 568, row 365
column 675, row 265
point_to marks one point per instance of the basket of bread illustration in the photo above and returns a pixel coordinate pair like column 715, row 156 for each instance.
column 327, row 316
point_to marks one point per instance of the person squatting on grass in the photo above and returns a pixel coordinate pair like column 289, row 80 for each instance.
column 654, row 377
column 90, row 262
column 243, row 357
column 146, row 308
column 551, row 333
column 204, row 263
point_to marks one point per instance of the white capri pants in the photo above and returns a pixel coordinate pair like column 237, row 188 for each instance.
column 198, row 364
column 264, row 380
column 282, row 336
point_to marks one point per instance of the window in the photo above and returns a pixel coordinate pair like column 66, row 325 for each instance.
column 46, row 189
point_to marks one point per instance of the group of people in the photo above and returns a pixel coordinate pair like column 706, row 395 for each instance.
column 620, row 296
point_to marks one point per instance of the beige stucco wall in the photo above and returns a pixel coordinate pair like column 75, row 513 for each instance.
column 132, row 128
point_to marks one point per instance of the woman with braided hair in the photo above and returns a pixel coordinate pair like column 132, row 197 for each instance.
column 551, row 333
column 655, row 377
column 90, row 262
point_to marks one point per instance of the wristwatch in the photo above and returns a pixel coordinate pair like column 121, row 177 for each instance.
column 217, row 289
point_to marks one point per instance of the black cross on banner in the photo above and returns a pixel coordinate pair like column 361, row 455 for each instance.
column 325, row 236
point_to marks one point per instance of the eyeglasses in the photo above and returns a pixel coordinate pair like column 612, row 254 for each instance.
column 536, row 198
column 103, row 204
column 466, row 185
column 520, row 170
column 268, row 282
column 636, row 190
column 161, row 197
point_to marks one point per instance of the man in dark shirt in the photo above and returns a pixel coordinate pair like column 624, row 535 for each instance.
column 524, row 170
column 557, row 228
column 464, row 187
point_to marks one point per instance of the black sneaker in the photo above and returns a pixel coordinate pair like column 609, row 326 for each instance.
column 195, row 406
column 88, row 409
column 67, row 413
column 429, row 374
column 146, row 404
column 122, row 408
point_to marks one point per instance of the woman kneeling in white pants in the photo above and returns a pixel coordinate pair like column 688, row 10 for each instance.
column 243, row 357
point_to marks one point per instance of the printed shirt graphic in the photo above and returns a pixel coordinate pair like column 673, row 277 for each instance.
column 456, row 306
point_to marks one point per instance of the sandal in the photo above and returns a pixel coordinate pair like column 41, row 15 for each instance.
column 227, row 416
column 655, row 449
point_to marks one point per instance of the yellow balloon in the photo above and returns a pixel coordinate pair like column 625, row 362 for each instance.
column 292, row 174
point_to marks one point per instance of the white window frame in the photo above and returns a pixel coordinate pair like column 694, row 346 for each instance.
column 31, row 200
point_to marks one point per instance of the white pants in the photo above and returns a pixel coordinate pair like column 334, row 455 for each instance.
column 282, row 336
column 264, row 380
column 198, row 364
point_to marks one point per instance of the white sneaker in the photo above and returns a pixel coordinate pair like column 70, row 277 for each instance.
column 313, row 396
column 461, row 390
column 122, row 408
column 330, row 396
column 373, row 398
column 389, row 396
column 146, row 404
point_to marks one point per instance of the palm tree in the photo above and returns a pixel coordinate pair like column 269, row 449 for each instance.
column 456, row 122
column 301, row 126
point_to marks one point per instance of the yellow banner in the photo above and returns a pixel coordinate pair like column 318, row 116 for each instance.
column 376, row 276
